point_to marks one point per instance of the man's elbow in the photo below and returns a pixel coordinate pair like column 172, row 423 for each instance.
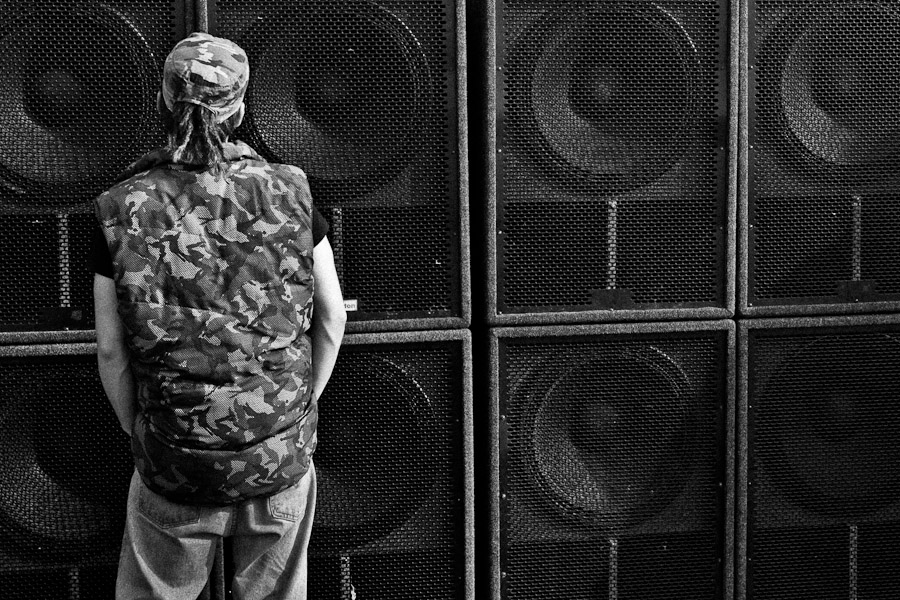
column 332, row 317
column 336, row 321
column 110, row 352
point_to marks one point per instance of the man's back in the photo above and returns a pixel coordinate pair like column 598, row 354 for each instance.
column 214, row 278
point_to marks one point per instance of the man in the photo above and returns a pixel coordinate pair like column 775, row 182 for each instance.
column 219, row 318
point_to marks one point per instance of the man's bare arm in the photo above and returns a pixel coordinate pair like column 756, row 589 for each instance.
column 112, row 353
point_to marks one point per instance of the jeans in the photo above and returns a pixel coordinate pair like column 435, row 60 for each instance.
column 168, row 548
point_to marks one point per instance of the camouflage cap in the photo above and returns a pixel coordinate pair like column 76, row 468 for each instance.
column 208, row 71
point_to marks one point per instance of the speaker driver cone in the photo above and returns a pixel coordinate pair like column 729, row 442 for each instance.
column 827, row 425
column 65, row 473
column 338, row 89
column 829, row 84
column 78, row 104
column 603, row 94
column 377, row 451
column 610, row 440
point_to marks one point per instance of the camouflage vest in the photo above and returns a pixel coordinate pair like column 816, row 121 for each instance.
column 214, row 282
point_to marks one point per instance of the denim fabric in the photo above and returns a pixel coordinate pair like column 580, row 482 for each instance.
column 168, row 548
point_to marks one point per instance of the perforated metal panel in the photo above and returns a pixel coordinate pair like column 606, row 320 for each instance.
column 64, row 471
column 392, row 512
column 612, row 147
column 80, row 80
column 820, row 502
column 823, row 157
column 614, row 461
column 364, row 97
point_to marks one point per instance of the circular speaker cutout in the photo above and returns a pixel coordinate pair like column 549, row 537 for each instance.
column 78, row 104
column 829, row 84
column 603, row 94
column 339, row 89
column 65, row 470
column 607, row 439
column 377, row 452
column 827, row 425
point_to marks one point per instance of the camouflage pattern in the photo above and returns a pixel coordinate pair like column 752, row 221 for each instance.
column 208, row 71
column 214, row 283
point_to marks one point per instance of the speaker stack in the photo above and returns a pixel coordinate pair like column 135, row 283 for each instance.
column 818, row 293
column 79, row 80
column 608, row 182
column 369, row 99
column 675, row 359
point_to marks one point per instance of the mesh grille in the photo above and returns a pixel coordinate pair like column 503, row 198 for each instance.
column 64, row 479
column 362, row 96
column 80, row 80
column 609, row 147
column 389, row 512
column 824, row 464
column 612, row 460
column 824, row 152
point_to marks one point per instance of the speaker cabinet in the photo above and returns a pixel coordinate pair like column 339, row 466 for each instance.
column 613, row 461
column 819, row 487
column 394, row 465
column 608, row 159
column 80, row 81
column 64, row 471
column 368, row 97
column 394, row 517
column 819, row 214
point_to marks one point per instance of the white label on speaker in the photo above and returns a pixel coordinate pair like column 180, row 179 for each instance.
column 350, row 305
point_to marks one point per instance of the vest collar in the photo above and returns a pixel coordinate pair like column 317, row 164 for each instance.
column 161, row 157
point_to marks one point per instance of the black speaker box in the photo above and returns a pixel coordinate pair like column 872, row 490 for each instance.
column 394, row 515
column 612, row 461
column 64, row 471
column 820, row 158
column 80, row 81
column 819, row 458
column 606, row 158
column 394, row 511
column 369, row 99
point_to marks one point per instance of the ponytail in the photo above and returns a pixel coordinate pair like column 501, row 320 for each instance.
column 194, row 136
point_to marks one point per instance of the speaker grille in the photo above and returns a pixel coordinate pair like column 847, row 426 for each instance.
column 612, row 465
column 363, row 96
column 610, row 149
column 823, row 500
column 391, row 466
column 824, row 153
column 64, row 471
column 80, row 79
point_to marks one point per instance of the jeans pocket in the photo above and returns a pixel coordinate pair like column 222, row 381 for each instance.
column 163, row 512
column 290, row 504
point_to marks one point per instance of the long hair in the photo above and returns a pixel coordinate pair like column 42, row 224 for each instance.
column 194, row 137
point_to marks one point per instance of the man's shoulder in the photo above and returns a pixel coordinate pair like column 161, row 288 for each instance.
column 122, row 188
column 271, row 169
column 274, row 180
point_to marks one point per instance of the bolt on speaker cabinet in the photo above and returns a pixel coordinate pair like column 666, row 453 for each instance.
column 613, row 461
column 65, row 466
column 821, row 158
column 80, row 80
column 369, row 99
column 394, row 465
column 819, row 458
column 608, row 159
